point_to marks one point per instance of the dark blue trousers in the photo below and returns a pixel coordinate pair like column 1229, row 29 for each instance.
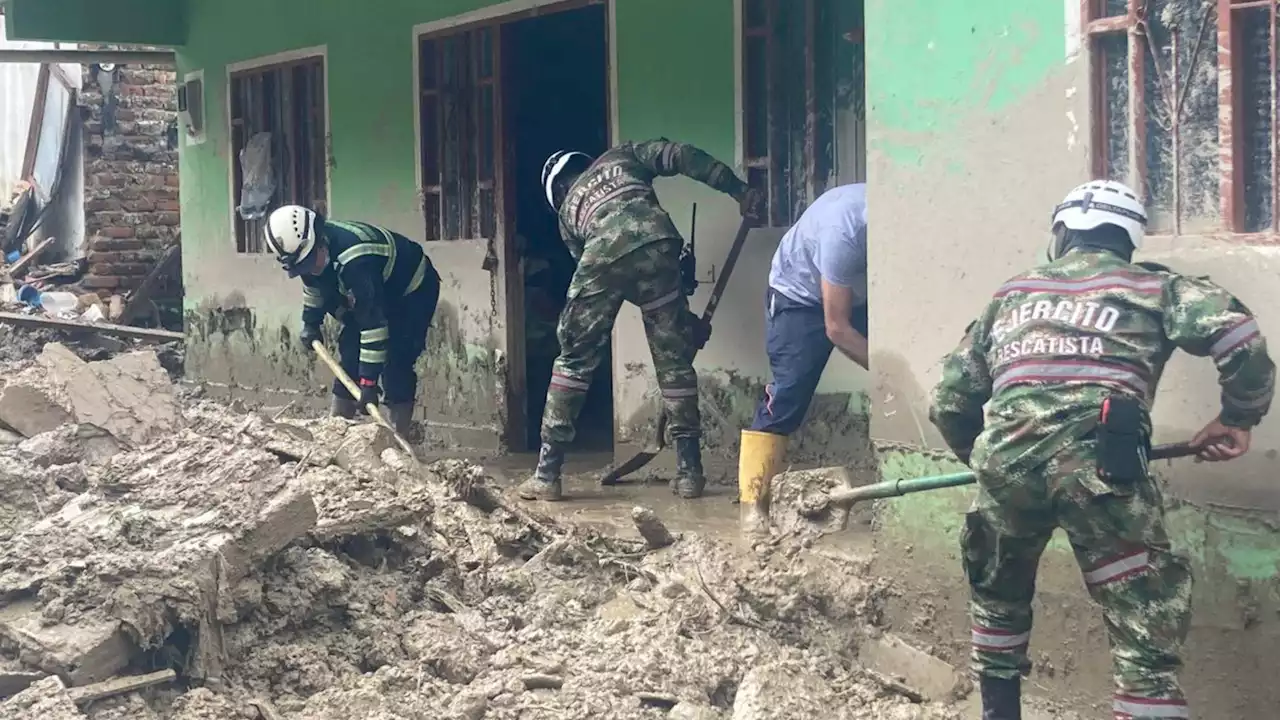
column 798, row 347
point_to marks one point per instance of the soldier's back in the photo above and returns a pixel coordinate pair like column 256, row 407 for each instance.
column 614, row 208
column 1061, row 339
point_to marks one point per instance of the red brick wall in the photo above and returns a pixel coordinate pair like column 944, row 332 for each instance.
column 131, row 178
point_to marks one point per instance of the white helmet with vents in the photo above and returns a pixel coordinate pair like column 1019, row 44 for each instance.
column 291, row 234
column 555, row 165
column 1102, row 202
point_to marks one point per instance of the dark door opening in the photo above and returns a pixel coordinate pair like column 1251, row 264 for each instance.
column 556, row 92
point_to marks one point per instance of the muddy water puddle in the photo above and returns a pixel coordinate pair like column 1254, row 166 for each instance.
column 608, row 509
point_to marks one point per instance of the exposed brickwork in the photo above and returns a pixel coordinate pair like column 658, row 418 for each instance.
column 131, row 178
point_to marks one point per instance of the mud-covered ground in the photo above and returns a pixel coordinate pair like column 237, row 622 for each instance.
column 414, row 593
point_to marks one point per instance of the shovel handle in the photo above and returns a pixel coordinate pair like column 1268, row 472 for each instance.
column 374, row 411
column 897, row 488
column 336, row 368
column 1173, row 451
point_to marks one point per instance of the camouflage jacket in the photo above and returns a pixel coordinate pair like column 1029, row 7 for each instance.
column 1056, row 341
column 612, row 209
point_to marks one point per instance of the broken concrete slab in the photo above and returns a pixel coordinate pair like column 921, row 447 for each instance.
column 360, row 452
column 353, row 505
column 70, row 443
column 129, row 396
column 932, row 677
column 783, row 689
column 47, row 699
column 166, row 532
column 30, row 411
column 84, row 650
column 15, row 680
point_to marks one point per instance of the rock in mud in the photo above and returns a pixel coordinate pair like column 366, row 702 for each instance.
column 71, row 444
column 30, row 411
column 692, row 711
column 651, row 528
column 932, row 677
column 47, row 699
column 777, row 691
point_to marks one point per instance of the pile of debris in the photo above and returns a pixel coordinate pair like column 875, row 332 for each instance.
column 167, row 557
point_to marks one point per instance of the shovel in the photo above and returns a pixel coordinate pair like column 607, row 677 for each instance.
column 659, row 439
column 845, row 499
column 374, row 411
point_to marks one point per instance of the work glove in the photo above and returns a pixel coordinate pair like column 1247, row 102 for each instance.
column 699, row 331
column 751, row 205
column 370, row 393
column 309, row 334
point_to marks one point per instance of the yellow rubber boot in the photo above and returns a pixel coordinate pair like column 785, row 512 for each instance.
column 760, row 455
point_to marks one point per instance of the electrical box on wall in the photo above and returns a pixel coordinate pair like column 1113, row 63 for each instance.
column 191, row 107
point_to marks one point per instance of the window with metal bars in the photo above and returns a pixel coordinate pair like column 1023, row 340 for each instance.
column 287, row 101
column 459, row 88
column 1185, row 111
column 803, row 113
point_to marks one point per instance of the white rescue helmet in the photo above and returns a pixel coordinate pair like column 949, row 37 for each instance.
column 291, row 235
column 552, row 168
column 1098, row 203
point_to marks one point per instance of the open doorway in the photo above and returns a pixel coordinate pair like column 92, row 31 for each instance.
column 556, row 97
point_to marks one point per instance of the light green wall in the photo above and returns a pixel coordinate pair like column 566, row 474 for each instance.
column 370, row 93
column 143, row 22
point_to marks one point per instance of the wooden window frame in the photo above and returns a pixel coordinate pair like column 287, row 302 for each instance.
column 1230, row 114
column 247, row 235
column 765, row 170
column 485, row 212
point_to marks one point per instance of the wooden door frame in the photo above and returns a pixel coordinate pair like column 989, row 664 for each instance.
column 496, row 16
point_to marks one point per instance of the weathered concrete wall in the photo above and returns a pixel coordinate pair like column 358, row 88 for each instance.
column 979, row 124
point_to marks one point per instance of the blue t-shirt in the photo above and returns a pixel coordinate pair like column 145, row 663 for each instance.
column 829, row 241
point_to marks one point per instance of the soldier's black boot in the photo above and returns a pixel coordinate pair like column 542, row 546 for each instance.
column 545, row 483
column 689, row 478
column 1001, row 698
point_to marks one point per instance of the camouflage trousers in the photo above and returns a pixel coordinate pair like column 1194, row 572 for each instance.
column 649, row 277
column 1120, row 543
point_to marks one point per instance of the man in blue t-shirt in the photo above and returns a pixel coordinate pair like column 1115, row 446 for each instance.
column 817, row 301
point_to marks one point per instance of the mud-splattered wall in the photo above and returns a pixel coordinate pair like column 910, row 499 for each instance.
column 369, row 69
column 980, row 122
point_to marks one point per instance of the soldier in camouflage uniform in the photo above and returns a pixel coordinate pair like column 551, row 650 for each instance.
column 628, row 249
column 1035, row 399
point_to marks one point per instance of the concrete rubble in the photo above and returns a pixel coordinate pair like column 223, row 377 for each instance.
column 302, row 570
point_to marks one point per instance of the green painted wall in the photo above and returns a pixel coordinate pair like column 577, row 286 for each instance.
column 142, row 22
column 948, row 60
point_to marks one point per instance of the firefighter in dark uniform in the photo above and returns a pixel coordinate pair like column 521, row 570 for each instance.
column 378, row 285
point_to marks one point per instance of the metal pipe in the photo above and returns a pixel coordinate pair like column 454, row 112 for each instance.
column 89, row 57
